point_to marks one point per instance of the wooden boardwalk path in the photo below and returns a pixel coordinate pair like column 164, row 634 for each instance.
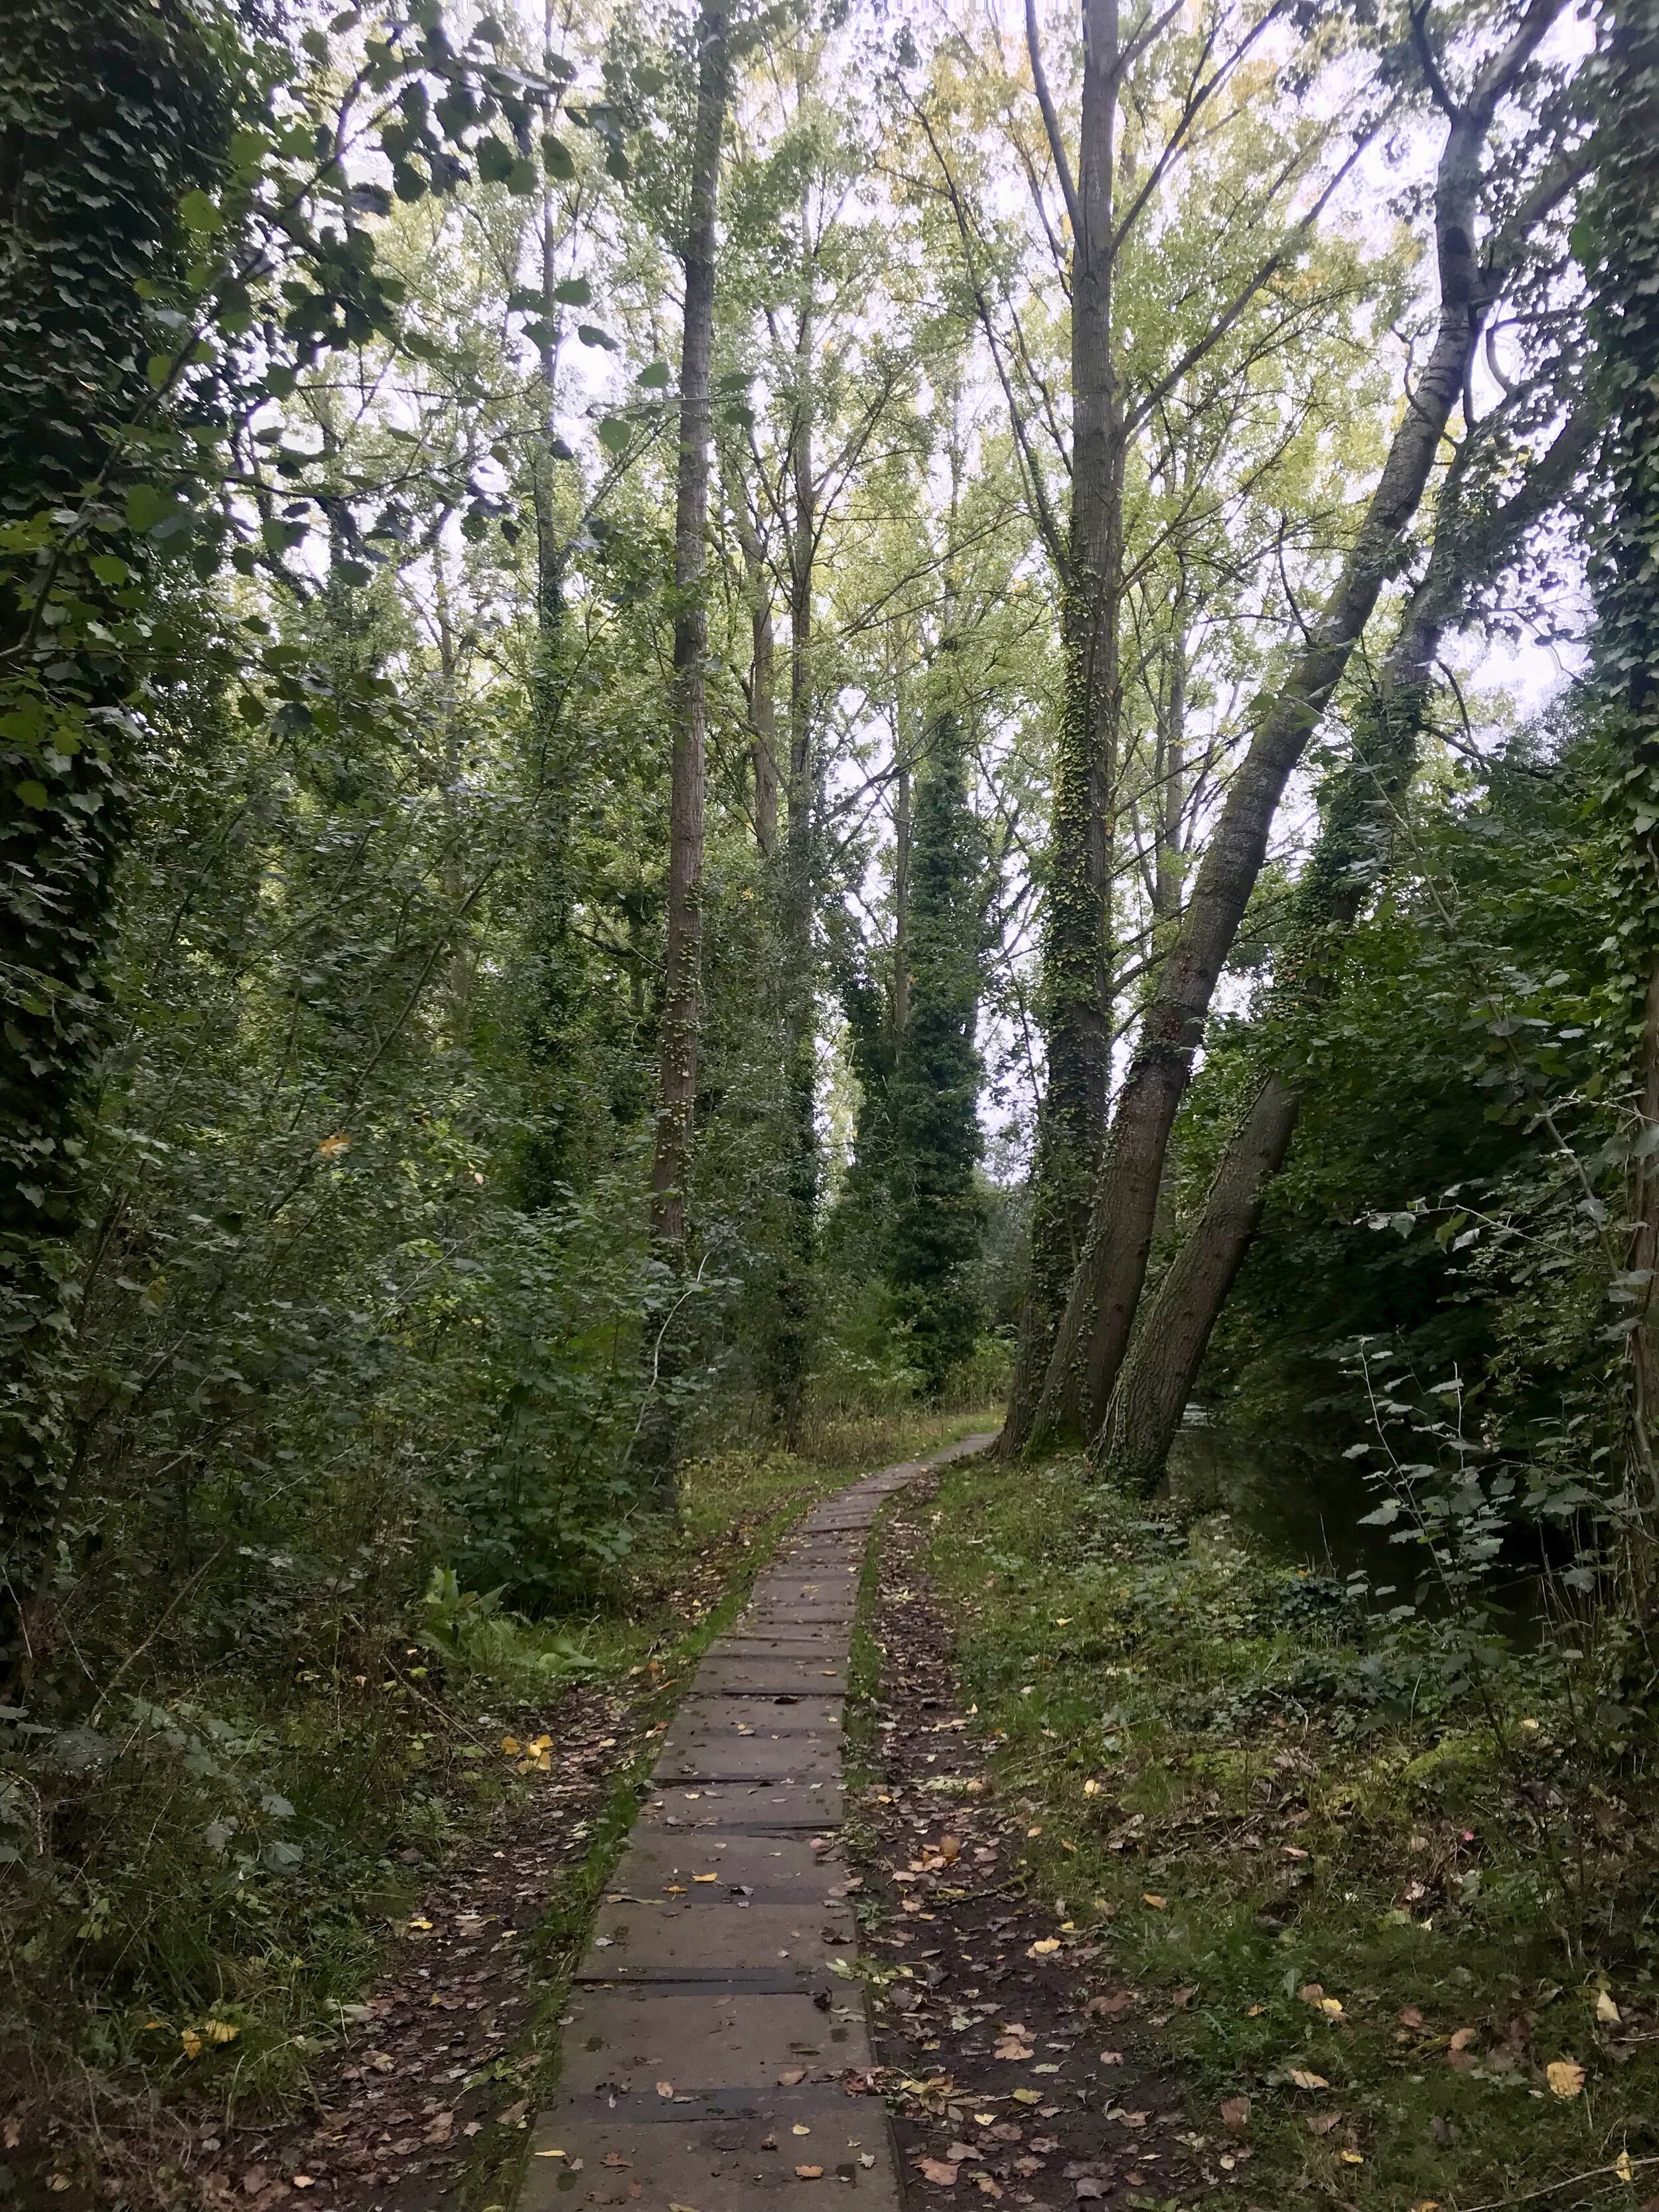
column 707, row 2031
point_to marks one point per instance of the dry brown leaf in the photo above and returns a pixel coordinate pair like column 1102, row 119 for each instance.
column 790, row 2076
column 1410, row 2016
column 1320, row 2124
column 664, row 2088
column 1304, row 2080
column 938, row 2171
column 1235, row 2114
column 949, row 1847
column 1149, row 1897
column 809, row 2174
column 1461, row 2038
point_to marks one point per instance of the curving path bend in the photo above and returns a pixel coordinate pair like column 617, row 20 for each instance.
column 709, row 2033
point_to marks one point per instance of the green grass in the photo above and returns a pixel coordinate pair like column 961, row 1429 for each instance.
column 1315, row 1801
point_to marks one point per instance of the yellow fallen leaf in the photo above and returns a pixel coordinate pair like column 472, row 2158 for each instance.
column 549, row 2154
column 1044, row 1948
column 809, row 2174
column 1304, row 2080
column 1623, row 2168
column 1607, row 2011
column 705, row 1877
column 672, row 2207
column 511, row 1746
column 541, row 1743
column 419, row 1923
column 1565, row 2077
column 1150, row 1897
column 1254, row 2011
column 1352, row 2158
column 1028, row 2096
column 1426, row 2204
column 797, row 2130
column 1331, row 2006
column 220, row 2031
column 192, row 2041
column 1091, row 1788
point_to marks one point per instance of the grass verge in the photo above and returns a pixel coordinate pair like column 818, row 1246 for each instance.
column 1402, row 1944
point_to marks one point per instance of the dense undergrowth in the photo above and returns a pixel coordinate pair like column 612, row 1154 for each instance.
column 198, row 1878
column 1390, row 1888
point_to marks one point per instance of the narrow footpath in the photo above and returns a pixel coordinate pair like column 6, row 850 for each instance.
column 713, row 2054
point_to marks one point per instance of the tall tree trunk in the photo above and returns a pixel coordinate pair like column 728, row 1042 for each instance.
column 108, row 117
column 1094, row 1331
column 681, row 995
column 1076, row 997
column 1173, row 1334
column 762, row 665
column 1623, row 273
column 789, row 1350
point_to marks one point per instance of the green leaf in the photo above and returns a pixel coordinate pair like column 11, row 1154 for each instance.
column 199, row 212
column 592, row 334
column 146, row 506
column 522, row 179
column 613, row 435
column 617, row 163
column 555, row 158
column 496, row 160
column 655, row 378
column 574, row 292
column 108, row 569
column 34, row 795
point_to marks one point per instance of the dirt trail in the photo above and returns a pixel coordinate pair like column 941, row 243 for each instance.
column 1006, row 2042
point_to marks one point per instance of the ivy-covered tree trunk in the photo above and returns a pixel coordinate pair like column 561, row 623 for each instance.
column 1076, row 997
column 1622, row 234
column 1173, row 1332
column 672, row 1165
column 788, row 1352
column 109, row 112
column 938, row 1216
column 1094, row 1331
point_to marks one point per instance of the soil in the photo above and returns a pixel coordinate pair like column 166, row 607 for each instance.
column 1018, row 2065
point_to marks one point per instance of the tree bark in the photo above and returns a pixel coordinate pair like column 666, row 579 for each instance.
column 683, row 980
column 1094, row 1331
column 1161, row 1366
column 1077, row 1001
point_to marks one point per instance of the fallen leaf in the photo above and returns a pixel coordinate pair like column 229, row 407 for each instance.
column 809, row 2174
column 1235, row 2114
column 511, row 1746
column 442, row 2128
column 513, row 2116
column 1111, row 2059
column 1352, row 2158
column 1028, row 2096
column 672, row 2207
column 1320, row 2124
column 1091, row 1788
column 1411, row 2017
column 219, row 2031
column 985, row 2186
column 799, row 2129
column 1565, row 2077
column 1157, row 1904
column 1303, row 2079
column 192, row 2041
column 1044, row 1948
column 1010, row 2049
column 255, row 2179
column 1461, row 2038
column 615, row 2158
column 1607, row 2011
column 1623, row 2168
column 1331, row 2006
column 938, row 2171
column 791, row 2076
column 949, row 1847
column 1088, row 2188
column 664, row 2088
column 705, row 1877
column 303, row 2180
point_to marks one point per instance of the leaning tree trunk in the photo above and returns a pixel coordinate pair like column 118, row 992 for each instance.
column 682, row 992
column 1173, row 1334
column 1094, row 1331
column 1076, row 994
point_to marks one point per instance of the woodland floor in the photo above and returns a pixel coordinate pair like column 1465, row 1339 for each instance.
column 1010, row 2078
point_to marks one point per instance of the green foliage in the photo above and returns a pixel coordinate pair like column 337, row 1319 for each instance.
column 933, row 1106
